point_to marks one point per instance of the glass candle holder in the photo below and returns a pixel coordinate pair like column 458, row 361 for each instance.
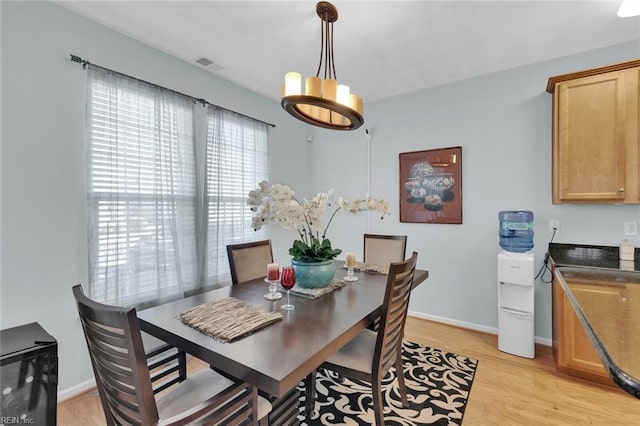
column 273, row 276
column 351, row 264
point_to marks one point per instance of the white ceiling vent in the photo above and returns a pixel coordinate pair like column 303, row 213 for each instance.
column 212, row 66
column 204, row 62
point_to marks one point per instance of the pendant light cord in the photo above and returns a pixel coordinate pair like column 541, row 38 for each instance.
column 326, row 48
column 321, row 47
column 333, row 63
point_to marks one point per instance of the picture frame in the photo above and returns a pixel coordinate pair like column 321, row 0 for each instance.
column 431, row 186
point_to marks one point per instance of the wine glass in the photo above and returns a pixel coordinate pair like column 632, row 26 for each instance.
column 287, row 281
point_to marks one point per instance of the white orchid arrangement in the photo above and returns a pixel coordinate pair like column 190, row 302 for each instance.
column 278, row 204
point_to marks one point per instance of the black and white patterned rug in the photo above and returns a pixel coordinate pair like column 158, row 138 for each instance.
column 438, row 386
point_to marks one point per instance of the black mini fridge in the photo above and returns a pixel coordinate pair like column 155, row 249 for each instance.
column 29, row 375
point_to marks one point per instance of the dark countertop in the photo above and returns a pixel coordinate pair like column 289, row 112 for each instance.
column 583, row 255
column 615, row 335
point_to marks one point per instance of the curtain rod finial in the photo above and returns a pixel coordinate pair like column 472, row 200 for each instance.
column 79, row 60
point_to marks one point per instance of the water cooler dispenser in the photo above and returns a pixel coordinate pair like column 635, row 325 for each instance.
column 516, row 284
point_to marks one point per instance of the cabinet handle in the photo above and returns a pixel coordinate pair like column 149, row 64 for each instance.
column 620, row 189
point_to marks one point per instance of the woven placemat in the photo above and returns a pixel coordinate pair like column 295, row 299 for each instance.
column 228, row 319
column 312, row 293
column 371, row 268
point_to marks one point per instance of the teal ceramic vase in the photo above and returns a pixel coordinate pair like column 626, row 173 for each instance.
column 314, row 274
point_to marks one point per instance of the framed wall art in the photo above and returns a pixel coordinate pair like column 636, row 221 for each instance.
column 431, row 186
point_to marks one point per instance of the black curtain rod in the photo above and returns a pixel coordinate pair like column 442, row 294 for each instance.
column 204, row 102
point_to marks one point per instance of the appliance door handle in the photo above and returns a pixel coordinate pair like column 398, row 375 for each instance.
column 516, row 312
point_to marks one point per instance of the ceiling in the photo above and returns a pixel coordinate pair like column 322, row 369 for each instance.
column 382, row 48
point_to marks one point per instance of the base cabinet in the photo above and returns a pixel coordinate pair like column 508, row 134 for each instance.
column 574, row 352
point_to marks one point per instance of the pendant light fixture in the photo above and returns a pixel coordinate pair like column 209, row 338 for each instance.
column 322, row 101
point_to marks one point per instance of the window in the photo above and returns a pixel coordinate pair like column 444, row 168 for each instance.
column 237, row 160
column 142, row 190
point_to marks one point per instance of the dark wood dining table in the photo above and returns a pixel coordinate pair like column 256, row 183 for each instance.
column 276, row 358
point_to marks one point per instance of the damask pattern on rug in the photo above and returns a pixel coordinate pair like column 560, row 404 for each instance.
column 438, row 386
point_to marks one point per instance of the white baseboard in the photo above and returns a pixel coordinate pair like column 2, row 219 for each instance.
column 471, row 326
column 543, row 341
column 76, row 390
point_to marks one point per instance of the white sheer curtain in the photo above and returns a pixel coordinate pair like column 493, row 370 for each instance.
column 237, row 160
column 142, row 191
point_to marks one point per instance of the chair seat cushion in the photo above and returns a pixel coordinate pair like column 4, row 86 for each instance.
column 357, row 355
column 196, row 389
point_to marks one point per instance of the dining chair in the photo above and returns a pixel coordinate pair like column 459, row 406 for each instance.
column 370, row 355
column 124, row 384
column 167, row 366
column 248, row 261
column 384, row 249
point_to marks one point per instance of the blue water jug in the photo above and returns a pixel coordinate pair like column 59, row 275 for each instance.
column 516, row 231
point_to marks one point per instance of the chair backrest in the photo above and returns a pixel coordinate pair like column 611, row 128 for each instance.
column 118, row 360
column 249, row 261
column 394, row 314
column 384, row 249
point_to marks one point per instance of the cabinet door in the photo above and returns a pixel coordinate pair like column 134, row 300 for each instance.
column 632, row 190
column 579, row 352
column 604, row 304
column 590, row 139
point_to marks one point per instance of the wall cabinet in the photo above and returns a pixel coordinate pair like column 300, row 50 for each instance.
column 596, row 142
column 574, row 352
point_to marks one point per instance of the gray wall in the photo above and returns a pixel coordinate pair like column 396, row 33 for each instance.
column 502, row 121
column 43, row 234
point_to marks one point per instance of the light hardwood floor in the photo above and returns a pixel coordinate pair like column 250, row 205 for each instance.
column 507, row 390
